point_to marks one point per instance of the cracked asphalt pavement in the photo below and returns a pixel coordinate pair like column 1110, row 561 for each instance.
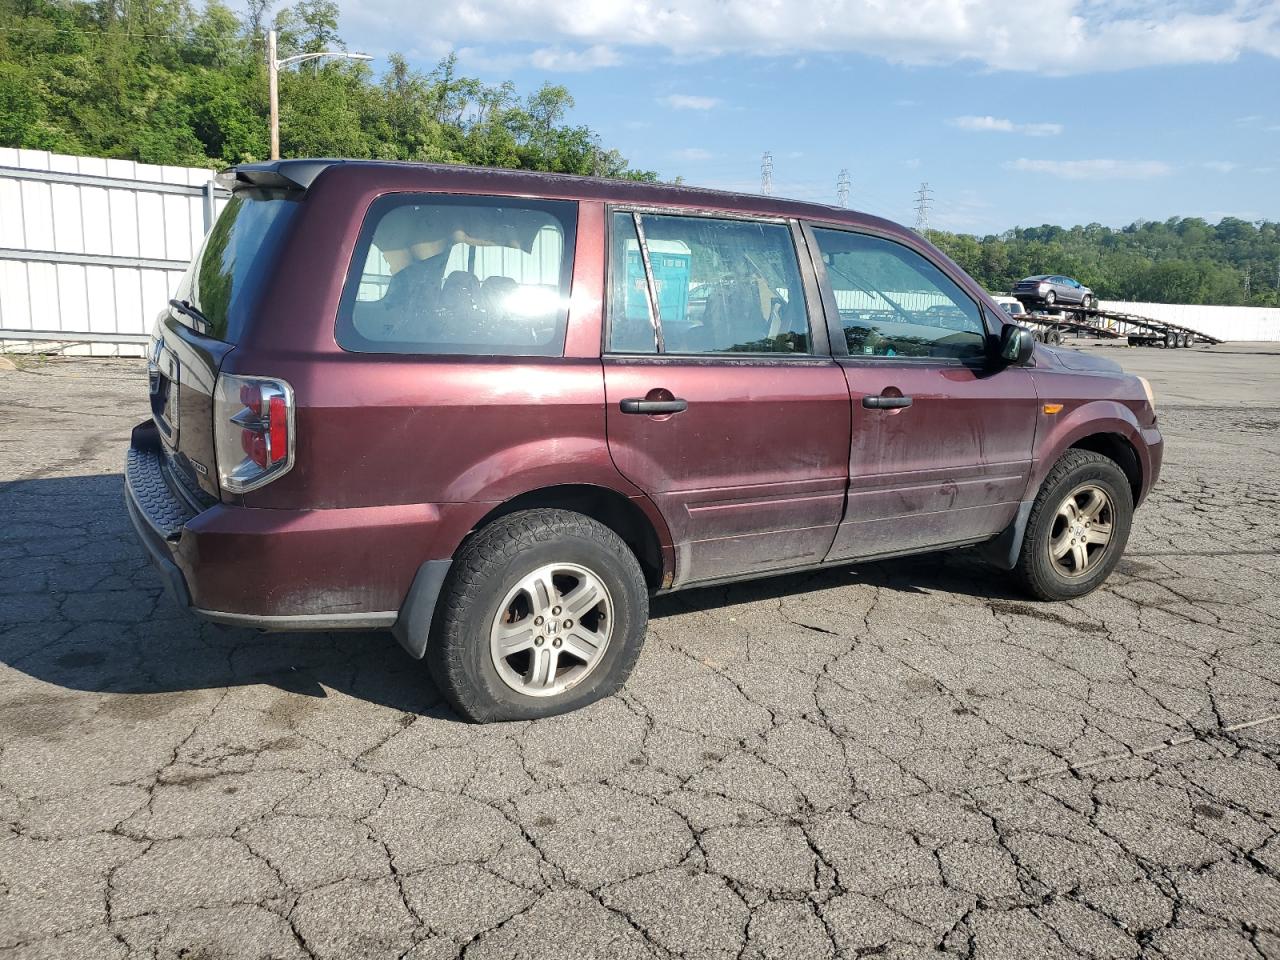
column 900, row 759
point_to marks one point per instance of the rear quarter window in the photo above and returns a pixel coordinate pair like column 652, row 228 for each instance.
column 444, row 274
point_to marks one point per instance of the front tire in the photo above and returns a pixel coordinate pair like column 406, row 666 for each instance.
column 544, row 612
column 1050, row 298
column 1078, row 527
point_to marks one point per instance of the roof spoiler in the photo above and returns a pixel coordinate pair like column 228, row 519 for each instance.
column 277, row 174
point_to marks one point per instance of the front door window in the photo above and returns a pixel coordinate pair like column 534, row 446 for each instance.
column 895, row 303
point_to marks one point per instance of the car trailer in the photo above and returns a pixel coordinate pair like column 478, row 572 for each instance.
column 1139, row 331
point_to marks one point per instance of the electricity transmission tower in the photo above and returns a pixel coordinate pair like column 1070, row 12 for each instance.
column 842, row 188
column 923, row 198
column 766, row 173
column 1248, row 275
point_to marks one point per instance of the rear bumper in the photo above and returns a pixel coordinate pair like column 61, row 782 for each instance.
column 285, row 569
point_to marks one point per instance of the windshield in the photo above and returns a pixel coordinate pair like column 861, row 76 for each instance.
column 226, row 277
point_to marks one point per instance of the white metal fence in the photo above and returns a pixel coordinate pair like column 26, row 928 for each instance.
column 91, row 249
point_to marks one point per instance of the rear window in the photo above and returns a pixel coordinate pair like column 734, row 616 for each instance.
column 225, row 280
column 440, row 274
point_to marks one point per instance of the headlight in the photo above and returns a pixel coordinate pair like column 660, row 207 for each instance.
column 1146, row 386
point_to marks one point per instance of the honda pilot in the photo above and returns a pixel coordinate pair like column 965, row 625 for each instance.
column 495, row 412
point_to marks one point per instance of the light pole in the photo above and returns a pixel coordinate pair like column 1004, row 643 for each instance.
column 273, row 80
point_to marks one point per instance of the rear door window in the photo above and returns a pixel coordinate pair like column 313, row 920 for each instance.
column 442, row 274
column 721, row 286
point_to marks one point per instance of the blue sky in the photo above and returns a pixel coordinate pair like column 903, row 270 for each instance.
column 1015, row 113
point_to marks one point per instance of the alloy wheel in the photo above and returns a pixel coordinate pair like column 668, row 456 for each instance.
column 1081, row 532
column 551, row 630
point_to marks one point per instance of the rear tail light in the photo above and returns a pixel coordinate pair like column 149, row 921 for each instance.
column 253, row 431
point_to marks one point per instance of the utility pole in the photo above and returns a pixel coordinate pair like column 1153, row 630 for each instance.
column 273, row 80
column 766, row 174
column 1248, row 275
column 923, row 197
column 842, row 188
column 273, row 91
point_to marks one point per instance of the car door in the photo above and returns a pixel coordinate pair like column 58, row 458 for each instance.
column 1068, row 290
column 942, row 437
column 723, row 402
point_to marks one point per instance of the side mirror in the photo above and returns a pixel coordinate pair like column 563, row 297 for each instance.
column 1016, row 343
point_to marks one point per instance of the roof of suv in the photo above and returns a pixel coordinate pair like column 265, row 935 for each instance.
column 301, row 174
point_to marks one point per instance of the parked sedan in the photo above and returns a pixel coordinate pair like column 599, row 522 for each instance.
column 1051, row 290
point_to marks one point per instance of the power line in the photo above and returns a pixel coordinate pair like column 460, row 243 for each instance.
column 923, row 199
column 766, row 173
column 842, row 188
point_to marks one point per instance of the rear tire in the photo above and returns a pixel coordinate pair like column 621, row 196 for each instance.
column 1085, row 497
column 509, row 577
column 1050, row 298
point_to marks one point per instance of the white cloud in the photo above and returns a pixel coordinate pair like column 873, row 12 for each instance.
column 1001, row 125
column 683, row 101
column 1093, row 169
column 557, row 58
column 982, row 124
column 1057, row 36
column 1220, row 166
column 693, row 153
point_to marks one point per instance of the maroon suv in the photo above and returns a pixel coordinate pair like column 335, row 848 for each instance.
column 494, row 411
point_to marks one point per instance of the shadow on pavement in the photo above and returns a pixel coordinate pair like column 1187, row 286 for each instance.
column 82, row 608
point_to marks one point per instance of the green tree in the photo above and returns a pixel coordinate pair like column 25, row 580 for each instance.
column 166, row 81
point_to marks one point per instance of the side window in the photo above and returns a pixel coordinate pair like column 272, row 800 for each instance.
column 631, row 323
column 722, row 286
column 893, row 302
column 440, row 274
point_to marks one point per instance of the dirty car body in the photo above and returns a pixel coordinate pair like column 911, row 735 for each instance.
column 375, row 375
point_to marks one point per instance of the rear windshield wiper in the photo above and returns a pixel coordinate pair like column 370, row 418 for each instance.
column 185, row 308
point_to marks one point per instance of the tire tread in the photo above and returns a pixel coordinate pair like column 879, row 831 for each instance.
column 472, row 573
column 1070, row 462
